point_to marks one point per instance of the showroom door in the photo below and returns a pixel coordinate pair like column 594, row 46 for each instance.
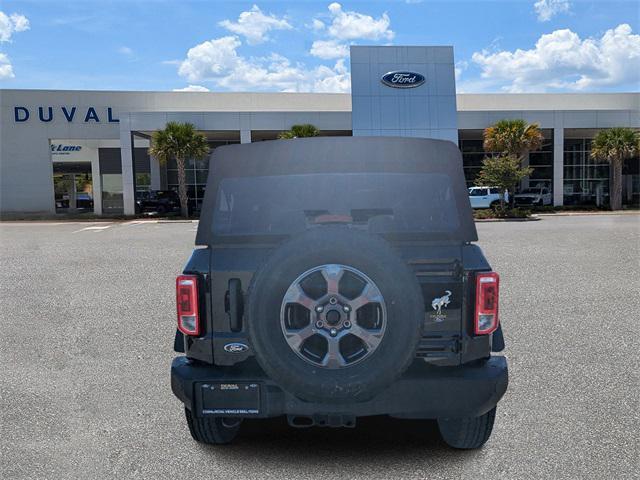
column 73, row 187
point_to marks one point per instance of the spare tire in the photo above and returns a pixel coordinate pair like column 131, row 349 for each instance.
column 334, row 314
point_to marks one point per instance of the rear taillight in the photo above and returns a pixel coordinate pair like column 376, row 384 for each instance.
column 487, row 295
column 187, row 302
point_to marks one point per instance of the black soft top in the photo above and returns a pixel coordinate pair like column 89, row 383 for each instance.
column 339, row 162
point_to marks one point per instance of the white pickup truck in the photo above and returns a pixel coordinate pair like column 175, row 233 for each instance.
column 485, row 197
column 538, row 196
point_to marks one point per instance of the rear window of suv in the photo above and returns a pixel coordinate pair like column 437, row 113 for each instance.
column 384, row 202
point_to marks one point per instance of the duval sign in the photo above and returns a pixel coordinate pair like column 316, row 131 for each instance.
column 402, row 79
column 66, row 113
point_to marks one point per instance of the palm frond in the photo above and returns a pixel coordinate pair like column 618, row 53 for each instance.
column 615, row 145
column 512, row 138
column 300, row 131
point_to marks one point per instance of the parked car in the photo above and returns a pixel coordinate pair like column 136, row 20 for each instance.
column 537, row 196
column 62, row 200
column 329, row 287
column 158, row 201
column 84, row 200
column 486, row 197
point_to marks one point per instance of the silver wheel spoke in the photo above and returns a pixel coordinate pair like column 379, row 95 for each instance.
column 370, row 294
column 295, row 294
column 333, row 317
column 371, row 338
column 332, row 274
column 333, row 357
column 296, row 338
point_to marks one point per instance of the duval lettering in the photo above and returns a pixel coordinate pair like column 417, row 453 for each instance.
column 67, row 113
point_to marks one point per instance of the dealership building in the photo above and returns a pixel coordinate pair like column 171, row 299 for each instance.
column 68, row 151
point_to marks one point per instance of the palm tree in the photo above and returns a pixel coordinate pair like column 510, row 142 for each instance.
column 300, row 131
column 180, row 141
column 615, row 145
column 513, row 138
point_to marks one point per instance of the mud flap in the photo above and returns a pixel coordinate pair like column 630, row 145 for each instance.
column 497, row 340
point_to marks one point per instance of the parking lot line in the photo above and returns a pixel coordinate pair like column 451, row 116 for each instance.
column 94, row 228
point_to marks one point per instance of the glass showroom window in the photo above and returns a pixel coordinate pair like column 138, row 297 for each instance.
column 143, row 182
column 542, row 163
column 473, row 153
column 586, row 181
column 472, row 156
column 112, row 199
column 196, row 172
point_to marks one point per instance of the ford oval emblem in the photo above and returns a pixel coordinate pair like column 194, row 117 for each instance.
column 400, row 79
column 235, row 347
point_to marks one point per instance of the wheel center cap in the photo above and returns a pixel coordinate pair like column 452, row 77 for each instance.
column 333, row 317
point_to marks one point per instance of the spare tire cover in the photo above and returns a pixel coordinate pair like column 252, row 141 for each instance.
column 334, row 314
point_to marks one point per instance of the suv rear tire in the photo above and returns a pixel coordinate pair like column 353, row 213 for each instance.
column 380, row 365
column 467, row 433
column 212, row 430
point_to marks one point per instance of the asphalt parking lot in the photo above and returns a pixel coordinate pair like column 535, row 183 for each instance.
column 87, row 321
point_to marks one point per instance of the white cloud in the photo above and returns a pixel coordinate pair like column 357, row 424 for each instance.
column 547, row 9
column 347, row 25
column 210, row 59
column 332, row 80
column 317, row 25
column 460, row 67
column 192, row 88
column 6, row 69
column 10, row 24
column 218, row 61
column 254, row 25
column 562, row 60
column 328, row 49
column 125, row 51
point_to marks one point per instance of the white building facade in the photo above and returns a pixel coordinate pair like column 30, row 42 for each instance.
column 68, row 151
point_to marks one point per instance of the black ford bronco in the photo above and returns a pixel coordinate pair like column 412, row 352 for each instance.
column 338, row 279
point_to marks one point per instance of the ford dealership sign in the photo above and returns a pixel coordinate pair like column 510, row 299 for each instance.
column 70, row 113
column 399, row 79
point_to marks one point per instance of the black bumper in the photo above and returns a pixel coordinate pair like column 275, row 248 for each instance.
column 424, row 391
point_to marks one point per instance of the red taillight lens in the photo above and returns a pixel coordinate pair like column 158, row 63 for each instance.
column 187, row 302
column 487, row 296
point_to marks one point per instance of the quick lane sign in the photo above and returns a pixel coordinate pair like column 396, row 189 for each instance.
column 61, row 149
column 47, row 114
column 402, row 79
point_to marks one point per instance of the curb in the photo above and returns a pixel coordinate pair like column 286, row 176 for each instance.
column 571, row 214
column 72, row 221
column 175, row 221
column 492, row 220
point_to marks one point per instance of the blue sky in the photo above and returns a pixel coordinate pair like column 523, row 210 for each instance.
column 500, row 46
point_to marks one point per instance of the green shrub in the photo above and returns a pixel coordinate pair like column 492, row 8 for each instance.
column 502, row 213
column 517, row 213
column 482, row 214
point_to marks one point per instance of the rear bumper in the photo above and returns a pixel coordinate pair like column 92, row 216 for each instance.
column 423, row 391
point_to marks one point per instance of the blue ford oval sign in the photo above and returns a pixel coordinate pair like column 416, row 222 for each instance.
column 235, row 347
column 400, row 79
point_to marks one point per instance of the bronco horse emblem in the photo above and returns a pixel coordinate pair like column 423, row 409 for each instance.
column 440, row 302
